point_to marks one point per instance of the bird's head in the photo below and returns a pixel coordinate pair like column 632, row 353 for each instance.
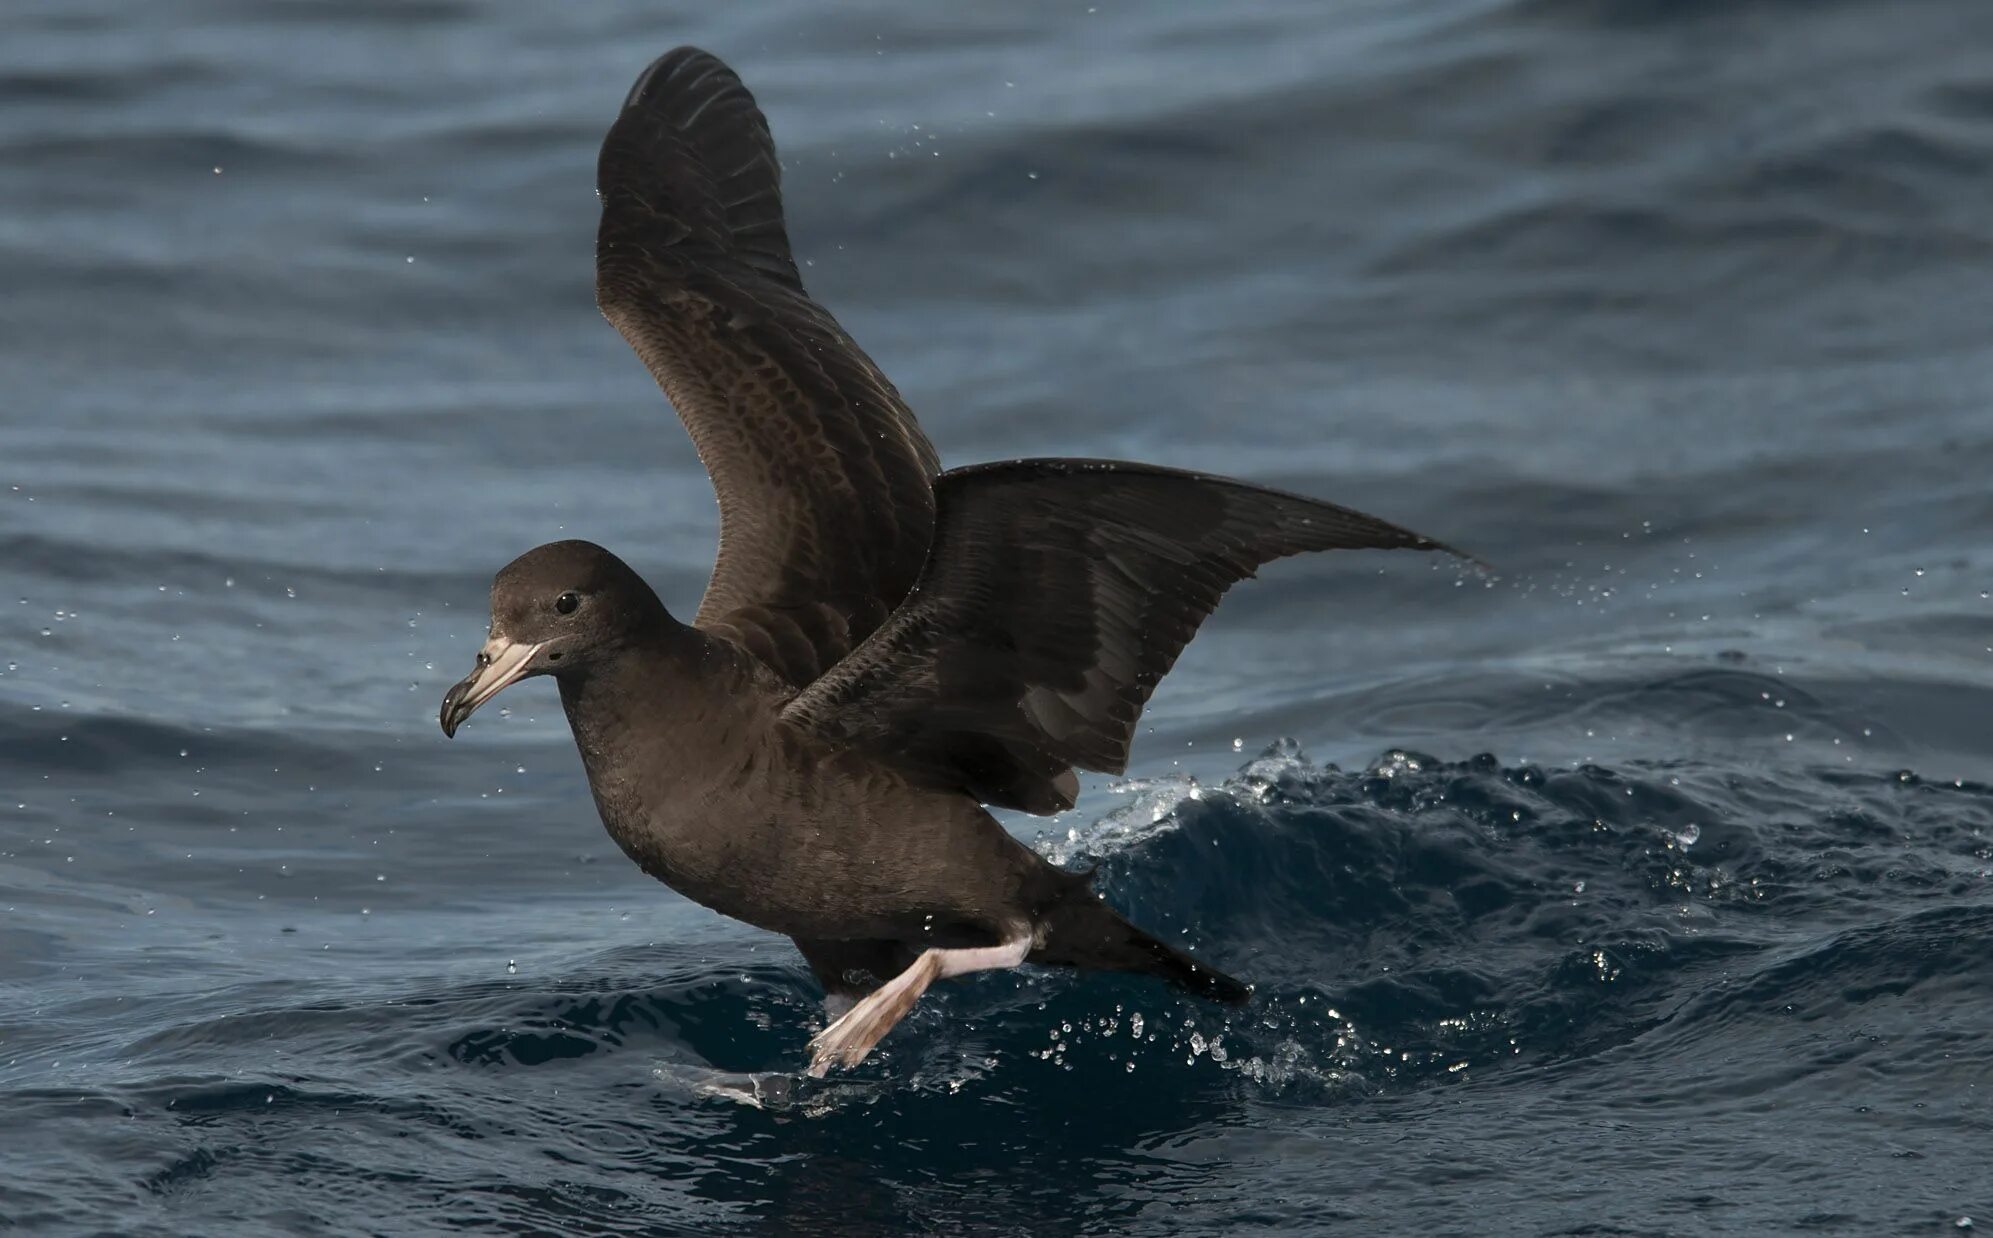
column 556, row 610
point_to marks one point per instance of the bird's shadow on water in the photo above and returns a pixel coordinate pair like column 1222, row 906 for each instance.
column 1017, row 1083
column 963, row 1100
column 975, row 1121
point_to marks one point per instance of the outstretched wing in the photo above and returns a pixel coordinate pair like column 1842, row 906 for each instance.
column 824, row 479
column 1058, row 593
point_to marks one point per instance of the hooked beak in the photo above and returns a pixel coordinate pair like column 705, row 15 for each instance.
column 499, row 663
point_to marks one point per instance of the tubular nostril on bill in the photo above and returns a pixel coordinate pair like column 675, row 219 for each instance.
column 483, row 659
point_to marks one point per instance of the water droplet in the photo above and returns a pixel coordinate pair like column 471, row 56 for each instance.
column 511, row 967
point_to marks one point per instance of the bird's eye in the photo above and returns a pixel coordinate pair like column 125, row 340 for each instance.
column 566, row 603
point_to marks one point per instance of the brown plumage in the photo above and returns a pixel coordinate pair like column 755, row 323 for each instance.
column 824, row 519
column 883, row 648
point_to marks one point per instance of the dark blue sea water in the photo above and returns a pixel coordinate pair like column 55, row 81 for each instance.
column 1644, row 889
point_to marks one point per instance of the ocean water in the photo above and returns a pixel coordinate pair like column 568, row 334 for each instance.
column 1643, row 888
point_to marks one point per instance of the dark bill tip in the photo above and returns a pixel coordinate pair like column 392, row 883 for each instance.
column 454, row 713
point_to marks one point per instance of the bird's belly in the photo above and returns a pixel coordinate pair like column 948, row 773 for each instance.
column 775, row 875
column 830, row 878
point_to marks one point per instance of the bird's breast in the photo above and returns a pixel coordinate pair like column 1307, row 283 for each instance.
column 738, row 832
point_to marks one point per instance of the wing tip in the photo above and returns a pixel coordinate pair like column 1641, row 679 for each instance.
column 668, row 66
column 1474, row 562
column 690, row 157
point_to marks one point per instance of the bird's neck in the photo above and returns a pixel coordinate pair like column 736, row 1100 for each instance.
column 684, row 697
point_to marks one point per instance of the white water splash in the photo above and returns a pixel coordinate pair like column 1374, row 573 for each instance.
column 1152, row 803
column 1150, row 810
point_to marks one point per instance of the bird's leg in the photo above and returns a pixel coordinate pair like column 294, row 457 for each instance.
column 847, row 1041
column 848, row 970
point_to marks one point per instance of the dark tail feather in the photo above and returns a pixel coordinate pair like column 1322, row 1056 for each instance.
column 1086, row 933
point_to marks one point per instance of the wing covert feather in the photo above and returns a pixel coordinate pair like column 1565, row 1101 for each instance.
column 824, row 478
column 1057, row 595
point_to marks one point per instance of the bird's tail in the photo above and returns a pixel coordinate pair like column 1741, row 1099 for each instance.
column 1083, row 932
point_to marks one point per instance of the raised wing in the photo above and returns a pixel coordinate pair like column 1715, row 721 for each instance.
column 824, row 479
column 1058, row 593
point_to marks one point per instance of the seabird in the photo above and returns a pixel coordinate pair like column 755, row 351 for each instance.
column 885, row 650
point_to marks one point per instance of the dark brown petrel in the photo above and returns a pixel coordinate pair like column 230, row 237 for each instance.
column 884, row 649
